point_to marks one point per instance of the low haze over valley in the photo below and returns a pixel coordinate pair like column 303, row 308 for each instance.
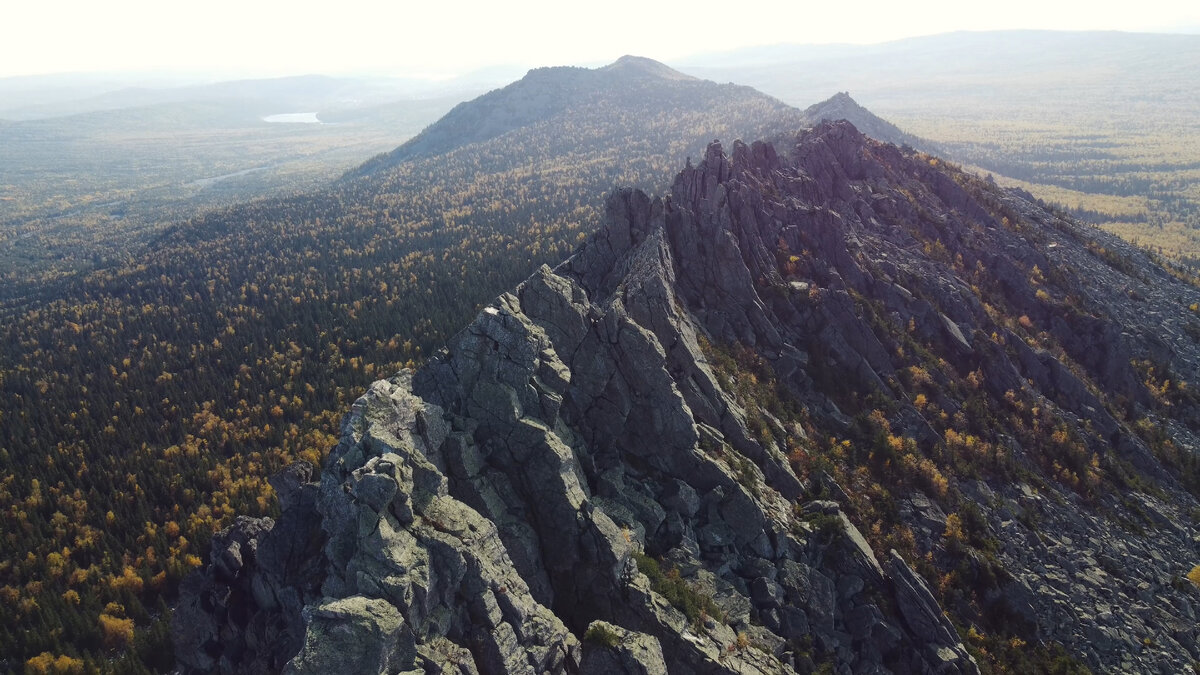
column 765, row 357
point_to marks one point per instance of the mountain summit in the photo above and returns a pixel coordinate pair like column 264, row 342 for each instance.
column 636, row 89
column 841, row 106
column 832, row 407
column 639, row 65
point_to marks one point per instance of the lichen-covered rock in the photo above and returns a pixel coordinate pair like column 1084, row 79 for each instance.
column 924, row 617
column 613, row 650
column 584, row 454
column 354, row 635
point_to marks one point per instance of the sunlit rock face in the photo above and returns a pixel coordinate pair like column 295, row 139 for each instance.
column 771, row 421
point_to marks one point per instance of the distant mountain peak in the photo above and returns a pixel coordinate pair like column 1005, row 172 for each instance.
column 841, row 106
column 645, row 66
column 835, row 105
column 543, row 94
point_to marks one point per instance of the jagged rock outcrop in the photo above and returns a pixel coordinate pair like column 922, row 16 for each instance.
column 620, row 652
column 585, row 454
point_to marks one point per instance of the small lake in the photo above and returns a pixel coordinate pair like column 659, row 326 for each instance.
column 293, row 118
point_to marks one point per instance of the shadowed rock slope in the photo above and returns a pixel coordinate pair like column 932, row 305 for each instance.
column 840, row 406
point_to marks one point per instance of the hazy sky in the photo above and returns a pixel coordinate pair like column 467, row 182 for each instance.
column 265, row 37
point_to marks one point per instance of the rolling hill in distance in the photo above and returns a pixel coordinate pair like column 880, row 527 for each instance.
column 1029, row 70
column 169, row 345
column 90, row 180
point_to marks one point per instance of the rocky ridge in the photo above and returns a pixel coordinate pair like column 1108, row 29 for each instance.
column 582, row 483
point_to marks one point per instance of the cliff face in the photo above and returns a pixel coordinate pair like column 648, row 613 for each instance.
column 625, row 464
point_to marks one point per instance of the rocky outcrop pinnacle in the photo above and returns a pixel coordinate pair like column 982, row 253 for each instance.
column 574, row 485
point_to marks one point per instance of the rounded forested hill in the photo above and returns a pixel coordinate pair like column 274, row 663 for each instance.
column 633, row 84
